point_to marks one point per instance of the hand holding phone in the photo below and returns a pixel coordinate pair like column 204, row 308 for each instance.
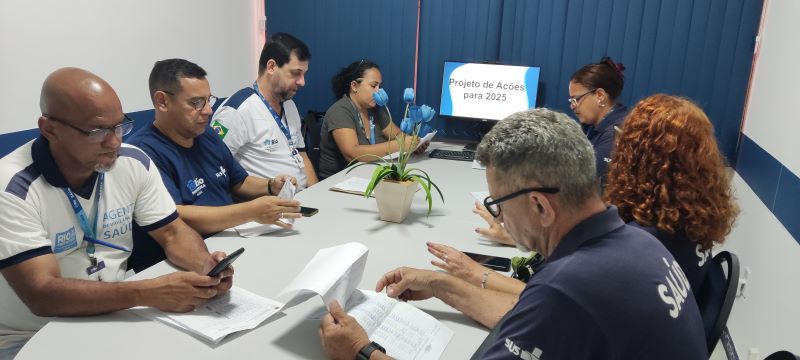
column 224, row 263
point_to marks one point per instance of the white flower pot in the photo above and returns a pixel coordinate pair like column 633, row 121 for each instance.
column 394, row 199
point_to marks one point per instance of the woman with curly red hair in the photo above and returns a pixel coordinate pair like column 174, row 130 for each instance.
column 668, row 177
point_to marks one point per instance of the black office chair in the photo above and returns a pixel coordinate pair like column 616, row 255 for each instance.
column 312, row 128
column 782, row 355
column 715, row 297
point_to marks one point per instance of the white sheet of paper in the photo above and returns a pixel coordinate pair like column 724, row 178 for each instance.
column 477, row 165
column 235, row 311
column 479, row 196
column 424, row 140
column 405, row 331
column 333, row 273
column 253, row 228
column 353, row 185
column 287, row 193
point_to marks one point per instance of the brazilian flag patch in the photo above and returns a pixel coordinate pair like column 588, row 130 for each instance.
column 220, row 129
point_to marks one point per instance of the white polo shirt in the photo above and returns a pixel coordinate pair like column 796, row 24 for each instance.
column 39, row 220
column 250, row 131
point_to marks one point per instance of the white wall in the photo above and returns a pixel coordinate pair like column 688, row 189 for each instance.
column 768, row 317
column 771, row 119
column 120, row 41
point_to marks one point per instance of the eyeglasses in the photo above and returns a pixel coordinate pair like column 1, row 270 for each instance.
column 575, row 99
column 493, row 206
column 199, row 103
column 100, row 134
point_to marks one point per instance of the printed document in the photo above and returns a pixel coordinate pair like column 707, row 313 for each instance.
column 353, row 185
column 253, row 228
column 424, row 140
column 234, row 311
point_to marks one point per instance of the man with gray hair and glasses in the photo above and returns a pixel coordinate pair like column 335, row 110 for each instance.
column 69, row 199
column 605, row 291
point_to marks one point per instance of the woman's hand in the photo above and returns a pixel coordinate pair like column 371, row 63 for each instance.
column 457, row 263
column 495, row 232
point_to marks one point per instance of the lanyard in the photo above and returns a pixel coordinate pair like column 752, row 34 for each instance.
column 278, row 117
column 83, row 219
column 361, row 124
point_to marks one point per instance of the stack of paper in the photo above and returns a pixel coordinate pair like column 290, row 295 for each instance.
column 353, row 185
column 234, row 311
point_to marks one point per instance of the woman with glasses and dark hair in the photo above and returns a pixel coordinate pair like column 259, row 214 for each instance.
column 593, row 93
column 354, row 125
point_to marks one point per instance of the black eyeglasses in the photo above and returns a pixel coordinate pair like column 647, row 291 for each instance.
column 575, row 99
column 493, row 206
column 99, row 134
column 198, row 103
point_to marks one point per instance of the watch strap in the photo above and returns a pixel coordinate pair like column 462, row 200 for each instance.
column 367, row 350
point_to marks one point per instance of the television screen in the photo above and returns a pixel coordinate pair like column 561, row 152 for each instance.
column 487, row 91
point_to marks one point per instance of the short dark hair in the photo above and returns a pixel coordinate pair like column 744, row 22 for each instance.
column 606, row 75
column 340, row 83
column 279, row 48
column 166, row 75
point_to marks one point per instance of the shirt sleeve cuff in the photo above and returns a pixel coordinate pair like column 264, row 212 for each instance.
column 158, row 224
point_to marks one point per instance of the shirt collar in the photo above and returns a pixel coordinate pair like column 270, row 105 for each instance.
column 44, row 162
column 590, row 228
column 614, row 117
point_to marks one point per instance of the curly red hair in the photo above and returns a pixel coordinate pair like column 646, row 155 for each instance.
column 667, row 171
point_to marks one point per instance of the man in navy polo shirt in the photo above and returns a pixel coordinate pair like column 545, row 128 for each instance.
column 197, row 168
column 606, row 290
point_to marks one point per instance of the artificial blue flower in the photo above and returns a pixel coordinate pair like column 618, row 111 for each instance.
column 407, row 126
column 425, row 130
column 427, row 113
column 408, row 95
column 381, row 98
column 415, row 113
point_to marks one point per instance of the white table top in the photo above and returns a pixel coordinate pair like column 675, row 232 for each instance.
column 270, row 262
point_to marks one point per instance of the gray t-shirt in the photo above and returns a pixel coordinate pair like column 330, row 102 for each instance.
column 343, row 114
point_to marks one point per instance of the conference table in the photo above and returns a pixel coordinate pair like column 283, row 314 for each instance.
column 271, row 261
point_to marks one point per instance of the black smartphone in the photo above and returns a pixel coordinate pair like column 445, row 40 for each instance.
column 224, row 263
column 491, row 262
column 308, row 211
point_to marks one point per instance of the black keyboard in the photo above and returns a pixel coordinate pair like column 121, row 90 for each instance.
column 453, row 155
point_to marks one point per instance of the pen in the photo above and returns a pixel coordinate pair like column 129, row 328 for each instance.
column 101, row 242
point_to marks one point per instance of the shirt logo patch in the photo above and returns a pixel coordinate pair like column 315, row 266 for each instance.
column 222, row 172
column 271, row 144
column 65, row 240
column 196, row 186
column 220, row 129
column 514, row 349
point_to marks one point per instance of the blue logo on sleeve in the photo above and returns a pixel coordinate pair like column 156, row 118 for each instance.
column 65, row 240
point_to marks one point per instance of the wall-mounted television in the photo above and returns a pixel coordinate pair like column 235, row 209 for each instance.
column 485, row 91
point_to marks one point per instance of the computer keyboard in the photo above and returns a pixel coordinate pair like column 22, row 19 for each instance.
column 453, row 155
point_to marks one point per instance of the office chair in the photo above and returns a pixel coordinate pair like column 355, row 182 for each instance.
column 312, row 128
column 715, row 297
column 782, row 355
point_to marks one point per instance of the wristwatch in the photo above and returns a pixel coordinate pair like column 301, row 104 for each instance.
column 366, row 351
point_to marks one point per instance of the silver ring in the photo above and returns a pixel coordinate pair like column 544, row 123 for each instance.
column 445, row 258
column 280, row 216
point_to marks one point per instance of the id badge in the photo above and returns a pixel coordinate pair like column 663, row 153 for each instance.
column 298, row 159
column 95, row 268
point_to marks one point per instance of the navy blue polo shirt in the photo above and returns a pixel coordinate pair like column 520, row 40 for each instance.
column 602, row 138
column 690, row 255
column 608, row 291
column 201, row 175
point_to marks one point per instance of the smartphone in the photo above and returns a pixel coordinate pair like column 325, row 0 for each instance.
column 308, row 211
column 491, row 262
column 224, row 263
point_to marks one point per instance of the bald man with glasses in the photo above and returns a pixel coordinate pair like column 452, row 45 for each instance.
column 198, row 170
column 69, row 199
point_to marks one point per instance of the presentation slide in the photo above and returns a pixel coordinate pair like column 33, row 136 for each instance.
column 487, row 91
